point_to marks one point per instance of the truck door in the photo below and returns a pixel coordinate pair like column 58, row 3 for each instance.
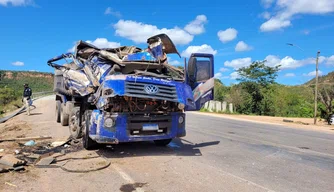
column 200, row 77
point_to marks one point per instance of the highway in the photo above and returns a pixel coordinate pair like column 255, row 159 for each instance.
column 218, row 154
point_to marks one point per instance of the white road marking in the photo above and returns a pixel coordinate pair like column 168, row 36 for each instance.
column 248, row 181
column 126, row 177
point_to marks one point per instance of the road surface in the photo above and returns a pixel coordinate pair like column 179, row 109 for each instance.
column 218, row 154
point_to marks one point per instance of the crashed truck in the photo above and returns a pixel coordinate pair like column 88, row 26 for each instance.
column 129, row 94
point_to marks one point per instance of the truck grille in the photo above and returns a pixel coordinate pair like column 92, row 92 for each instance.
column 135, row 123
column 136, row 89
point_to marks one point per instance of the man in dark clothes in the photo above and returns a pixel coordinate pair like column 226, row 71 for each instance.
column 26, row 97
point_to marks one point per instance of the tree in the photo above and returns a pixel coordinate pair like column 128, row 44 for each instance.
column 259, row 73
column 219, row 90
column 255, row 81
column 326, row 96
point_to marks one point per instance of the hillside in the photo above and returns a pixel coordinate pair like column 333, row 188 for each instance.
column 38, row 81
column 11, row 86
column 329, row 78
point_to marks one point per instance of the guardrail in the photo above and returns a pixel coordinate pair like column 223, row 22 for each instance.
column 218, row 106
column 34, row 97
column 41, row 94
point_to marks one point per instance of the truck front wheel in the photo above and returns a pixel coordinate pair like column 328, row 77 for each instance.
column 88, row 143
column 163, row 142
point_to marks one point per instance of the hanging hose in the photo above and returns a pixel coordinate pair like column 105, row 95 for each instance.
column 83, row 171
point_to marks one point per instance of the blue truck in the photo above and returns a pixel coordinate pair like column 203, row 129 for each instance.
column 129, row 94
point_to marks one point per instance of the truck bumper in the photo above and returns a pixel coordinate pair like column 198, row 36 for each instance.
column 119, row 128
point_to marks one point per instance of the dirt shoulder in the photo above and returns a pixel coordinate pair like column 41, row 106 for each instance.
column 301, row 123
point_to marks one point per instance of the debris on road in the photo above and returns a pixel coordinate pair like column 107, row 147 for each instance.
column 11, row 160
column 7, row 183
column 61, row 143
column 26, row 138
column 30, row 143
column 45, row 162
column 287, row 121
column 298, row 122
column 51, row 155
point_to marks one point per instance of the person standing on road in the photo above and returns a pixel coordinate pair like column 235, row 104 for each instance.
column 26, row 97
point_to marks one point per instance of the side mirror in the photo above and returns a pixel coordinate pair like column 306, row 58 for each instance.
column 200, row 68
column 199, row 76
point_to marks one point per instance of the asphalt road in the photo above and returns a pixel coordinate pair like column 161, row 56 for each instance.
column 218, row 154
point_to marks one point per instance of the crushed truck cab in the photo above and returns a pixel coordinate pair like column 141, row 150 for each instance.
column 129, row 94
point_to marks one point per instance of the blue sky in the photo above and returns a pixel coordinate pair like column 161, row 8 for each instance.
column 236, row 32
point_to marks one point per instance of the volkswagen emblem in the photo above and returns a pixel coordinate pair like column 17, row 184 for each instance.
column 151, row 89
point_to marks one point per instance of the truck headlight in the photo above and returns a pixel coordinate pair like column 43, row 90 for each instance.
column 181, row 106
column 181, row 119
column 108, row 92
column 109, row 122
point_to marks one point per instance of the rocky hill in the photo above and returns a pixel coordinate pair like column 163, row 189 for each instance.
column 38, row 81
column 329, row 78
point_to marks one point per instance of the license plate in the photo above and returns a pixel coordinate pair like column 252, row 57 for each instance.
column 150, row 127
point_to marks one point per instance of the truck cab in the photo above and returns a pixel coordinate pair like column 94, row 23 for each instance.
column 129, row 94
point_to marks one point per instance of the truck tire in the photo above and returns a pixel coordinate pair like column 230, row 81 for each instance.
column 74, row 128
column 63, row 115
column 87, row 142
column 163, row 142
column 57, row 112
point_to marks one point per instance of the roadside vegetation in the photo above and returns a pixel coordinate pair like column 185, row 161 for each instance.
column 11, row 87
column 258, row 93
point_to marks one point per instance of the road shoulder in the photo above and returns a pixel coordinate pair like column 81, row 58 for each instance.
column 274, row 121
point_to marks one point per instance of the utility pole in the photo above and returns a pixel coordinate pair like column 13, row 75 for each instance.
column 316, row 89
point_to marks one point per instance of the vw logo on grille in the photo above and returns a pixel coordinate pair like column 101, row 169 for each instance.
column 151, row 89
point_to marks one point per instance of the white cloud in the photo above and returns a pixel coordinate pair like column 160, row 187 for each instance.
column 100, row 43
column 110, row 11
column 313, row 73
column 238, row 63
column 196, row 26
column 330, row 60
column 18, row 63
column 234, row 75
column 220, row 76
column 306, row 6
column 267, row 3
column 266, row 15
column 286, row 62
column 290, row 63
column 139, row 32
column 287, row 9
column 227, row 35
column 272, row 60
column 173, row 62
column 242, row 46
column 223, row 69
column 104, row 43
column 198, row 49
column 16, row 2
column 289, row 75
column 274, row 24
